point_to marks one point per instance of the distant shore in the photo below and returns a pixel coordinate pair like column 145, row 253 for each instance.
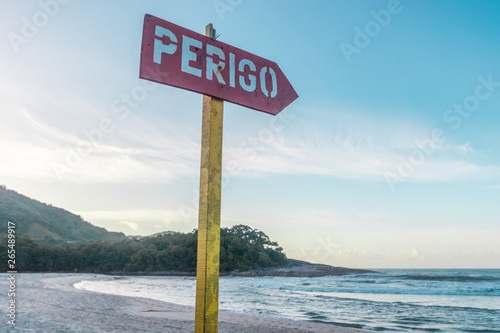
column 300, row 268
column 297, row 268
column 48, row 302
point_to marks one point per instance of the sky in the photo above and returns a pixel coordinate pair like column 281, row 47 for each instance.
column 389, row 158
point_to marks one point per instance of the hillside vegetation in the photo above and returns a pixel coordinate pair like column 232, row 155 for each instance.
column 242, row 249
column 45, row 224
column 50, row 239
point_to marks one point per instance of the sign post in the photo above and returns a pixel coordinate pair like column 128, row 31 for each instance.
column 207, row 270
column 182, row 58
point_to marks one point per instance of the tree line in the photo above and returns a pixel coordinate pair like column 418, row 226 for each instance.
column 242, row 249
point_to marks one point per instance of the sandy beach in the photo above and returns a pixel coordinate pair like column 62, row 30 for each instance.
column 50, row 303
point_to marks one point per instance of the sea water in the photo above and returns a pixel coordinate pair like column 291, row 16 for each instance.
column 389, row 300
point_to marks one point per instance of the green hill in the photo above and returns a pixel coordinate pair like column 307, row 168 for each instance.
column 47, row 224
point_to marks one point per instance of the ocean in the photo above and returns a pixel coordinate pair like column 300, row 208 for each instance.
column 436, row 300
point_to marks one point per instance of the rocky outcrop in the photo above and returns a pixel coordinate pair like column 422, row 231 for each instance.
column 298, row 268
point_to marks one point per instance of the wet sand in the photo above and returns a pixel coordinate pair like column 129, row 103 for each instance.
column 50, row 303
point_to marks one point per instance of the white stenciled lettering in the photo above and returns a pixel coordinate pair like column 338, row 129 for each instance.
column 161, row 48
column 232, row 74
column 221, row 69
column 263, row 72
column 188, row 55
column 213, row 68
column 253, row 80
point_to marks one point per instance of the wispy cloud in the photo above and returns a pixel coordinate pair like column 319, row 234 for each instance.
column 35, row 149
column 132, row 225
column 145, row 221
column 347, row 145
column 358, row 147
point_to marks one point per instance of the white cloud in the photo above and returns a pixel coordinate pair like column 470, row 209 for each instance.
column 415, row 253
column 463, row 247
column 128, row 215
column 37, row 150
column 145, row 221
column 132, row 225
column 355, row 147
column 345, row 145
column 373, row 240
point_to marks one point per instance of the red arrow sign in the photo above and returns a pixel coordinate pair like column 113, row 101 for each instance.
column 182, row 58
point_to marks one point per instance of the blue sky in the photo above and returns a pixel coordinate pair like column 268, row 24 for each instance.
column 389, row 158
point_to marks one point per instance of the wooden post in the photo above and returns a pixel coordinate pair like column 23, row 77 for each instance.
column 207, row 271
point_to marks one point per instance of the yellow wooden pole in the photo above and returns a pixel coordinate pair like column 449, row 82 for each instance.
column 207, row 271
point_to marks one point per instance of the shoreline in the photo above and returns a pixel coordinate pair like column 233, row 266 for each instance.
column 296, row 268
column 50, row 302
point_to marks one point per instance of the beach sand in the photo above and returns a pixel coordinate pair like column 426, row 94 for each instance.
column 50, row 303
